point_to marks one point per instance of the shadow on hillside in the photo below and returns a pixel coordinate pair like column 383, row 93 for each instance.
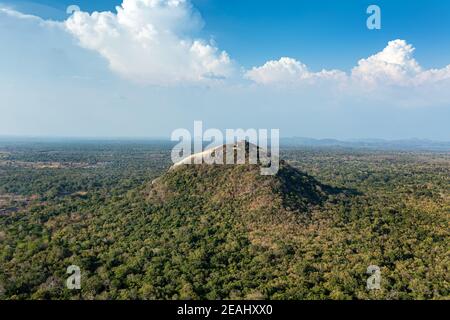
column 337, row 190
column 300, row 189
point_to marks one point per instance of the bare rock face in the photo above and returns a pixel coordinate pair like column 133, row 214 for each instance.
column 242, row 152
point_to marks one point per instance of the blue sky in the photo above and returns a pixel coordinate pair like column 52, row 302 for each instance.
column 324, row 33
column 80, row 83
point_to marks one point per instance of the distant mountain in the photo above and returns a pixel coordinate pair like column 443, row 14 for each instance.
column 406, row 144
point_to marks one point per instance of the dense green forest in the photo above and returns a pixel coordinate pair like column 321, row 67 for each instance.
column 220, row 232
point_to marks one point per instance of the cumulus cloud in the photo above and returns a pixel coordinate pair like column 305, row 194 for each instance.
column 150, row 41
column 290, row 71
column 393, row 66
column 154, row 42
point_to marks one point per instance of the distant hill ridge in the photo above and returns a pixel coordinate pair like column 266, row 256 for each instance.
column 401, row 144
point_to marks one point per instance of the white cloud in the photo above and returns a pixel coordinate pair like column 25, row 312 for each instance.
column 16, row 14
column 153, row 42
column 150, row 41
column 52, row 86
column 290, row 71
column 433, row 76
column 11, row 13
column 393, row 66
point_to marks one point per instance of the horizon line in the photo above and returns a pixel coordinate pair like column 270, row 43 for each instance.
column 165, row 138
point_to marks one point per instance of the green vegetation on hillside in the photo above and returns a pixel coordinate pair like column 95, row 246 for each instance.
column 215, row 232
